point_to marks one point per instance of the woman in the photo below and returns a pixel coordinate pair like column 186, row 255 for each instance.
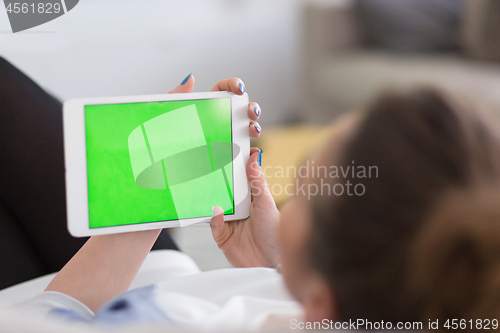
column 419, row 243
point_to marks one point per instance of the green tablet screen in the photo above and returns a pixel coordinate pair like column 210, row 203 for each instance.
column 158, row 161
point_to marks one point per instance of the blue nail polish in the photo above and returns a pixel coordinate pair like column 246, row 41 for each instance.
column 186, row 79
column 257, row 128
column 242, row 88
column 256, row 110
column 260, row 156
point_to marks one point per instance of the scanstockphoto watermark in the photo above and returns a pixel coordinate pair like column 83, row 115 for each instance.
column 359, row 324
column 323, row 180
column 365, row 324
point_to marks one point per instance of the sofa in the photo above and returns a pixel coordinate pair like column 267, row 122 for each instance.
column 340, row 71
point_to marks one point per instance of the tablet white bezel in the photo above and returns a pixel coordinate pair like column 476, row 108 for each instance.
column 75, row 157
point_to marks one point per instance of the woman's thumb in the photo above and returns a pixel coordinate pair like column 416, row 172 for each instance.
column 217, row 223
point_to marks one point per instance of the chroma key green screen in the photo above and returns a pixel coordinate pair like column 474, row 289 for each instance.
column 158, row 161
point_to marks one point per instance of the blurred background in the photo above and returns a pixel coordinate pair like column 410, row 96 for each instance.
column 125, row 47
column 306, row 62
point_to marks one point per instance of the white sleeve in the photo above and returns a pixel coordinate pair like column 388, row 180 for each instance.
column 41, row 305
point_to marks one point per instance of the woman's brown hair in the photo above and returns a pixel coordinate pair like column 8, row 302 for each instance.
column 425, row 146
column 455, row 258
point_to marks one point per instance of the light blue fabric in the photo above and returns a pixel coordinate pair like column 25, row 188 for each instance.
column 133, row 307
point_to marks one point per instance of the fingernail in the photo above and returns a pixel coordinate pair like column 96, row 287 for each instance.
column 213, row 210
column 260, row 156
column 186, row 79
column 256, row 110
column 242, row 88
column 256, row 128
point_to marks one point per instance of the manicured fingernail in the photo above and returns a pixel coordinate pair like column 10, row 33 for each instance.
column 256, row 128
column 186, row 79
column 242, row 88
column 260, row 156
column 256, row 110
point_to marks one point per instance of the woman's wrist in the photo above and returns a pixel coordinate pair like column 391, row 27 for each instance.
column 145, row 236
column 104, row 267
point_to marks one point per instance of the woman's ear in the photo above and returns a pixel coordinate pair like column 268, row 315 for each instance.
column 319, row 301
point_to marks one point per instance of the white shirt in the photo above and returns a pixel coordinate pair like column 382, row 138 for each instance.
column 239, row 299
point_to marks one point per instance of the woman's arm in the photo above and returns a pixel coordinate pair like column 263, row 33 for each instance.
column 104, row 267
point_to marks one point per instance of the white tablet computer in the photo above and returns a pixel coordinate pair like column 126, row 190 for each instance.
column 158, row 161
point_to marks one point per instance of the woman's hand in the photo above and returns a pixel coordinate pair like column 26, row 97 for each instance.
column 234, row 85
column 251, row 242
